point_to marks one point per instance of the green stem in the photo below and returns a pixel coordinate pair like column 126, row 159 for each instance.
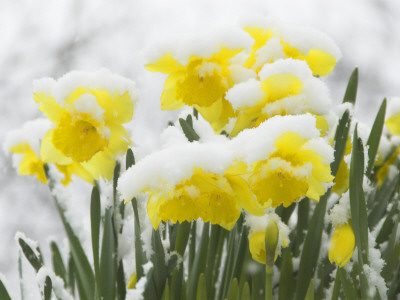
column 269, row 271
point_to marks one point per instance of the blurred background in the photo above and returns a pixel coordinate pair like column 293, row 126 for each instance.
column 44, row 38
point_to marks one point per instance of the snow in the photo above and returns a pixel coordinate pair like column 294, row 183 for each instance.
column 100, row 80
column 245, row 94
column 57, row 283
column 340, row 214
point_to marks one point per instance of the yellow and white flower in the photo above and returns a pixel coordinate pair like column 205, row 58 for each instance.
column 87, row 111
column 272, row 42
column 201, row 82
column 286, row 87
column 342, row 245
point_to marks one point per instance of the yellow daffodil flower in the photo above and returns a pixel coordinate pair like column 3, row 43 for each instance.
column 385, row 168
column 290, row 173
column 87, row 124
column 201, row 83
column 213, row 198
column 342, row 245
column 320, row 62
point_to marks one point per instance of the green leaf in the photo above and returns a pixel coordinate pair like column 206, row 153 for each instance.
column 192, row 245
column 182, row 237
column 177, row 283
column 71, row 275
column 303, row 210
column 246, row 292
column 286, row 280
column 351, row 90
column 189, row 120
column 48, row 285
column 198, row 264
column 189, row 132
column 130, row 159
column 166, row 294
column 310, row 291
column 201, row 288
column 358, row 208
column 58, row 264
column 121, row 284
column 391, row 253
column 30, row 255
column 375, row 137
column 160, row 271
column 341, row 135
column 95, row 219
column 84, row 272
column 233, row 290
column 140, row 256
column 107, row 260
column 336, row 287
column 3, row 292
column 348, row 286
column 211, row 256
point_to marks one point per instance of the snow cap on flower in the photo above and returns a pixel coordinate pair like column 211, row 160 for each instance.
column 87, row 110
column 286, row 87
column 288, row 162
column 200, row 78
column 274, row 41
column 257, row 227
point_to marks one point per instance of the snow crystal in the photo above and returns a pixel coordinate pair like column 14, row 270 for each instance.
column 296, row 67
column 271, row 51
column 100, row 80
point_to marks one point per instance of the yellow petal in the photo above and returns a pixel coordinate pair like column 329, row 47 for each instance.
column 153, row 208
column 342, row 245
column 166, row 64
column 320, row 62
column 100, row 165
column 49, row 106
column 279, row 86
column 50, row 154
column 393, row 124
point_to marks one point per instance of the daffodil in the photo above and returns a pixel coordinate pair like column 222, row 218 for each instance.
column 286, row 87
column 201, row 83
column 87, row 111
column 342, row 245
column 293, row 171
column 320, row 53
column 211, row 197
column 384, row 170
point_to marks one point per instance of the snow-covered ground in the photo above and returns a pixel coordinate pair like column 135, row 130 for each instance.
column 48, row 38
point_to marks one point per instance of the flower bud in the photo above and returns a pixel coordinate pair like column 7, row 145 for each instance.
column 342, row 245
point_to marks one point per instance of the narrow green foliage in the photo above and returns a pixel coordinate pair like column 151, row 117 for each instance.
column 336, row 287
column 311, row 247
column 182, row 237
column 310, row 291
column 58, row 264
column 211, row 256
column 286, row 280
column 392, row 252
column 130, row 159
column 375, row 137
column 189, row 120
column 358, row 208
column 198, row 264
column 107, row 259
column 188, row 130
column 341, row 135
column 192, row 245
column 95, row 220
column 245, row 294
column 302, row 223
column 30, row 255
column 3, row 292
column 348, row 286
column 71, row 275
column 233, row 290
column 159, row 274
column 48, row 285
column 351, row 90
column 166, row 294
column 121, row 284
column 201, row 293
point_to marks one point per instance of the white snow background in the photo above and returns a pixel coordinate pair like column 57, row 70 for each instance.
column 49, row 38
